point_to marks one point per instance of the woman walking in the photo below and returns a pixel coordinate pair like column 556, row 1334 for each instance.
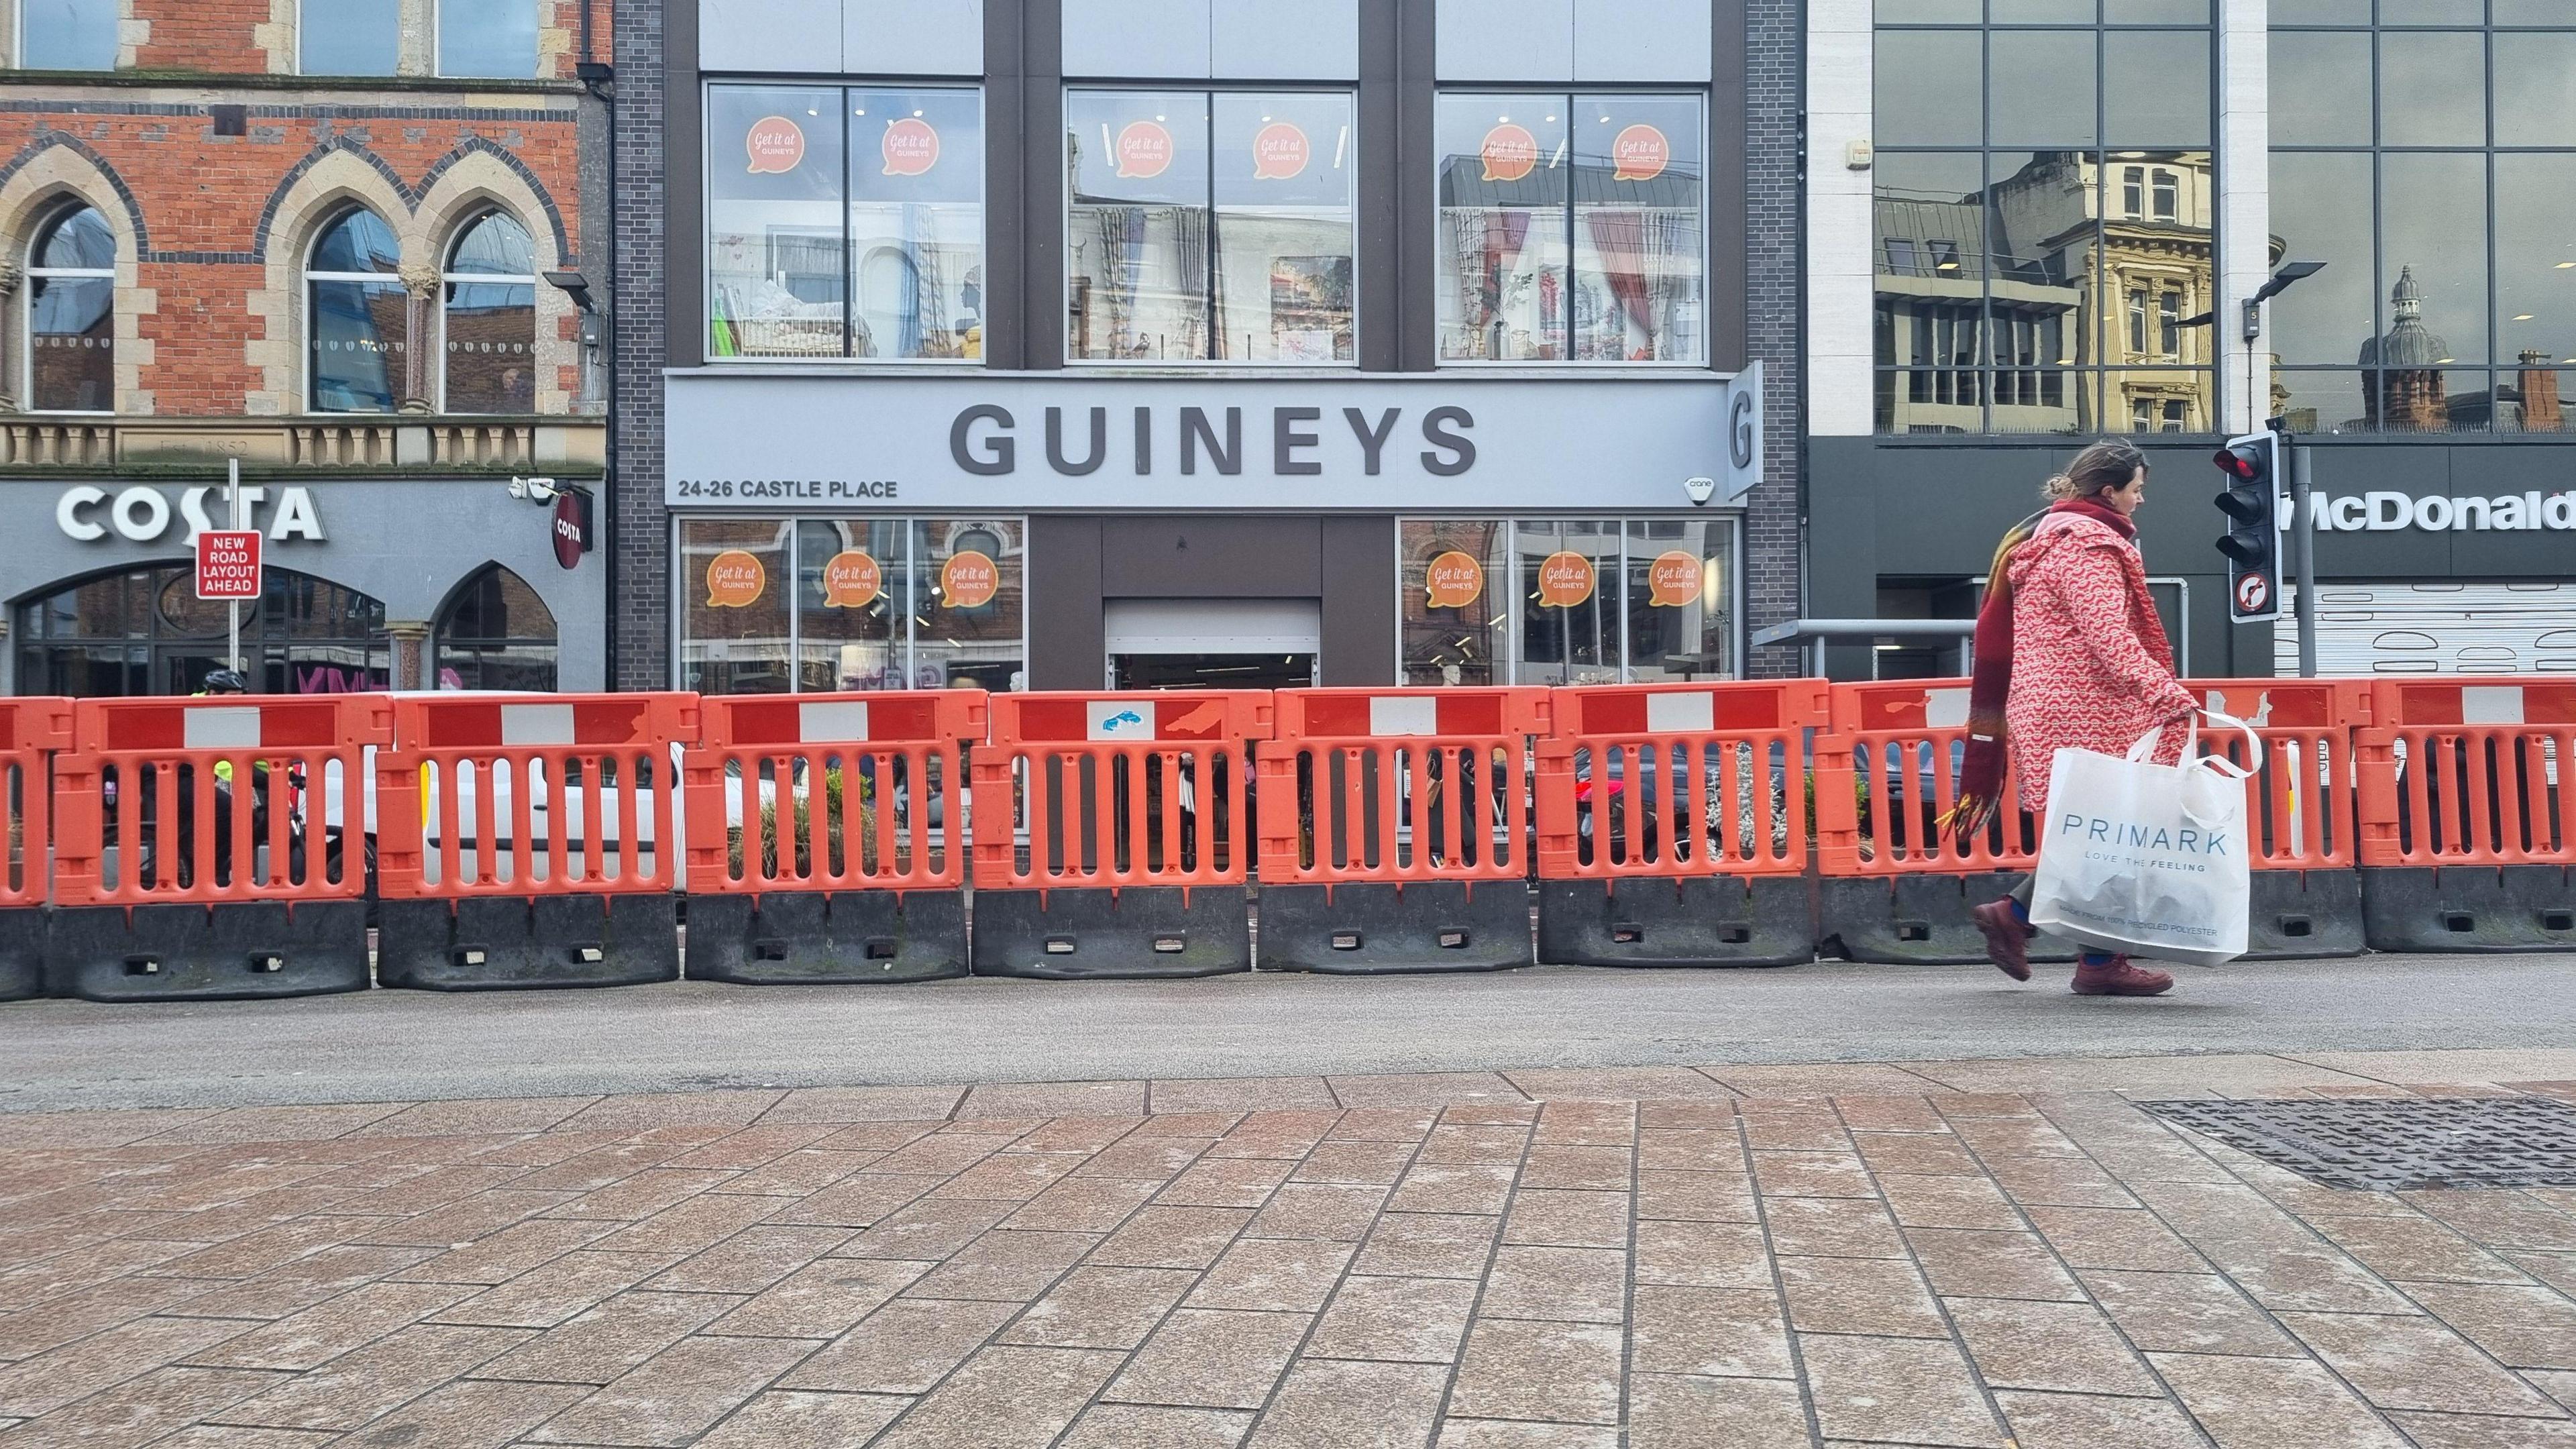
column 2069, row 654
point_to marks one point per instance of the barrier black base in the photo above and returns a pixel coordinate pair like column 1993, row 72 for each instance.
column 827, row 937
column 1915, row 919
column 2470, row 908
column 486, row 943
column 1360, row 929
column 2304, row 913
column 1067, row 935
column 1694, row 921
column 22, row 953
column 202, row 953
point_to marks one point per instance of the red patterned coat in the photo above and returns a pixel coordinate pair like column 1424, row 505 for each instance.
column 2091, row 668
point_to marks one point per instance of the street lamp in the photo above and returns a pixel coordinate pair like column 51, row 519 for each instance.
column 2281, row 280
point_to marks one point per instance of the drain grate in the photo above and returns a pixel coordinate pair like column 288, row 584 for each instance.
column 2389, row 1144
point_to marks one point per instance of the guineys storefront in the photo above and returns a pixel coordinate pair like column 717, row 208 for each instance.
column 369, row 585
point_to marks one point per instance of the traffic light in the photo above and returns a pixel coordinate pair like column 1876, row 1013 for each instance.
column 2251, row 499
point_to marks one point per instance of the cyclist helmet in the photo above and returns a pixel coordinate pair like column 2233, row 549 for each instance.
column 226, row 681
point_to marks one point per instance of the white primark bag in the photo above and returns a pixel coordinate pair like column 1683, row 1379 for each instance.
column 2147, row 859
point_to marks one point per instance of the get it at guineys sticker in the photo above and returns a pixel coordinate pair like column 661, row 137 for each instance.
column 1280, row 152
column 775, row 145
column 969, row 580
column 910, row 147
column 1453, row 580
column 1510, row 152
column 1639, row 153
column 851, row 580
column 1564, row 580
column 1672, row 580
column 1144, row 150
column 735, row 580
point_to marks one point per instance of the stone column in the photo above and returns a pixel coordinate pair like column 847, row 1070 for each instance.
column 420, row 287
column 410, row 646
column 11, row 274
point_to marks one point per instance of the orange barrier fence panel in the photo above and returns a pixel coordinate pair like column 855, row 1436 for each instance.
column 1888, row 770
column 31, row 731
column 831, row 792
column 1393, row 785
column 541, row 795
column 204, row 800
column 2467, row 771
column 2299, row 803
column 1677, row 779
column 1083, row 791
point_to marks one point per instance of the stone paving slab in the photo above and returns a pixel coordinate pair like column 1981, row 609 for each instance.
column 1959, row 1254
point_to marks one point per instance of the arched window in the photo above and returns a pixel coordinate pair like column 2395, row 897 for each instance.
column 490, row 320
column 357, row 325
column 71, row 315
column 144, row 631
column 496, row 634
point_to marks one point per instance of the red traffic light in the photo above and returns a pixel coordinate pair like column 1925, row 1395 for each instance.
column 2246, row 460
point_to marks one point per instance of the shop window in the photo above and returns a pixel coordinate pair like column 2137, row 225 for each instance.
column 487, row 38
column 1566, row 601
column 145, row 631
column 496, row 634
column 826, row 604
column 357, row 316
column 348, row 37
column 488, row 324
column 845, row 222
column 71, row 315
column 1572, row 228
column 67, row 34
column 1210, row 226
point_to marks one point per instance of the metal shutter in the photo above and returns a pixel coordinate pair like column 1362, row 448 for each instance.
column 2365, row 629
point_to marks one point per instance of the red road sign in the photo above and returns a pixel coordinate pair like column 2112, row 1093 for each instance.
column 228, row 565
column 2253, row 595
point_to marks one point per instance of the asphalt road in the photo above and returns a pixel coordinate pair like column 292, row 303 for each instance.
column 390, row 1045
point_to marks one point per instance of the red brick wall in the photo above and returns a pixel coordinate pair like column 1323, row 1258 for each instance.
column 200, row 193
column 206, row 35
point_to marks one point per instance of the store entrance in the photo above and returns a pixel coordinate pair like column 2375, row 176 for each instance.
column 1213, row 643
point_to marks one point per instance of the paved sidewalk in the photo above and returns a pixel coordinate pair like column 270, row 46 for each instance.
column 1966, row 1254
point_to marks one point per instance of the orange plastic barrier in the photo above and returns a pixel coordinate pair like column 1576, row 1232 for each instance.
column 1114, row 790
column 1888, row 769
column 1677, row 779
column 832, row 792
column 31, row 730
column 206, row 800
column 2299, row 801
column 541, row 796
column 1396, row 785
column 2468, row 771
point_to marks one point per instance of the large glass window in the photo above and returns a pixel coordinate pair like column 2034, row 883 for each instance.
column 1209, row 226
column 825, row 604
column 845, row 222
column 145, row 631
column 348, row 37
column 1571, row 228
column 1566, row 601
column 67, row 34
column 487, row 38
column 358, row 319
column 71, row 315
column 497, row 634
column 489, row 322
column 2433, row 171
column 2044, row 209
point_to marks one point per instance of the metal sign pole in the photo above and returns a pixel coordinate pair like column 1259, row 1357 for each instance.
column 232, row 502
column 2303, row 548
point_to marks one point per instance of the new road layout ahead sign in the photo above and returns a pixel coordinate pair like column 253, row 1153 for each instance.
column 228, row 564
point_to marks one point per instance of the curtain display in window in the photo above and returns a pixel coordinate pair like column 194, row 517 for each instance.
column 1501, row 231
column 358, row 323
column 1637, row 244
column 777, row 269
column 487, row 38
column 917, row 223
column 490, row 321
column 71, row 315
column 348, row 37
column 1209, row 226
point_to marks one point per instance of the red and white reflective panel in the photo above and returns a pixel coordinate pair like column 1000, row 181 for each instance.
column 2487, row 704
column 221, row 728
column 1945, row 709
column 825, row 720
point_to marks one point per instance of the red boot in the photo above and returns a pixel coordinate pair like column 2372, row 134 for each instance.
column 2116, row 977
column 2006, row 938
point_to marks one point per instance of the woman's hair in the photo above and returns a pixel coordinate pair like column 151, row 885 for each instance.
column 2109, row 463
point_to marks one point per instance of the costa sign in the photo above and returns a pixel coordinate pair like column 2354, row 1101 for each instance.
column 571, row 527
column 144, row 514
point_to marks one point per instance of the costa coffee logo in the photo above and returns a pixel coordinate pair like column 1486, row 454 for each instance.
column 735, row 580
column 1564, row 580
column 1144, row 150
column 1453, row 580
column 1510, row 152
column 1672, row 581
column 775, row 146
column 572, row 527
column 969, row 580
column 1639, row 153
column 852, row 579
column 911, row 147
column 1280, row 152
